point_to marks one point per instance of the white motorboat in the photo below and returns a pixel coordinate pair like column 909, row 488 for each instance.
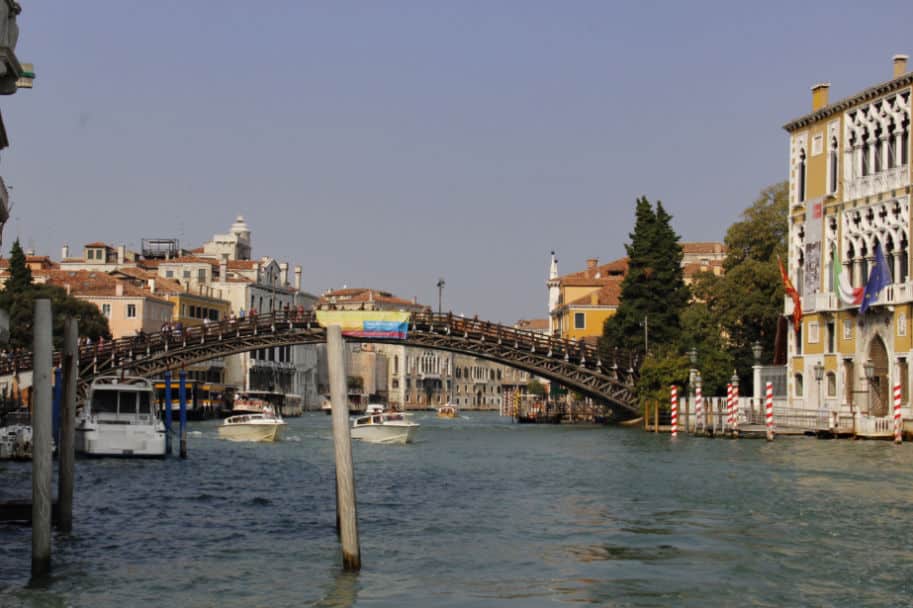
column 245, row 403
column 118, row 419
column 448, row 410
column 265, row 426
column 386, row 427
column 16, row 436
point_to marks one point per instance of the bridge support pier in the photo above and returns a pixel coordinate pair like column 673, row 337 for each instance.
column 342, row 441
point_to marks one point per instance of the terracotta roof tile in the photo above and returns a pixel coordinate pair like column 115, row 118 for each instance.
column 707, row 248
column 97, row 244
column 608, row 295
column 533, row 324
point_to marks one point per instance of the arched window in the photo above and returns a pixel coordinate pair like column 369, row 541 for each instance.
column 395, row 364
column 801, row 175
column 798, row 382
column 831, row 384
column 877, row 150
column 905, row 141
column 904, row 259
column 834, row 166
column 891, row 140
column 865, row 153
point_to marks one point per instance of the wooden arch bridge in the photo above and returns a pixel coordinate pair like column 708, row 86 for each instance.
column 572, row 364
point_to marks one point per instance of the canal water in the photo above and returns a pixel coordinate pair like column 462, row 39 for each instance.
column 482, row 512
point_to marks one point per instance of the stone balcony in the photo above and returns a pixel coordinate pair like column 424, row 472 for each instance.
column 896, row 293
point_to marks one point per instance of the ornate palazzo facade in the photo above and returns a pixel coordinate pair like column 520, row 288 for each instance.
column 850, row 188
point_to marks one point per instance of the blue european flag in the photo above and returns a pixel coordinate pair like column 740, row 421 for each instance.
column 879, row 278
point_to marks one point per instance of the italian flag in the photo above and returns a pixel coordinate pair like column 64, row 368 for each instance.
column 847, row 293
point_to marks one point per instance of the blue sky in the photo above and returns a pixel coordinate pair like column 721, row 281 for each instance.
column 387, row 144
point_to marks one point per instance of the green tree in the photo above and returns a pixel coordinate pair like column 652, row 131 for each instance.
column 747, row 300
column 18, row 299
column 653, row 291
column 662, row 367
column 534, row 387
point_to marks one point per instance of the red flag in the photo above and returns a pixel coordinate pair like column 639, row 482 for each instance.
column 791, row 292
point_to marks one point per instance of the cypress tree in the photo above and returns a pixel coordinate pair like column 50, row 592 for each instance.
column 20, row 278
column 653, row 291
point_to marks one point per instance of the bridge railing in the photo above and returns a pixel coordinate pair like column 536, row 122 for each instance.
column 145, row 345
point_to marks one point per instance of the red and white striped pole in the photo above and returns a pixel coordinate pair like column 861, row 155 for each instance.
column 674, row 404
column 769, row 413
column 698, row 408
column 735, row 408
column 729, row 405
column 898, row 421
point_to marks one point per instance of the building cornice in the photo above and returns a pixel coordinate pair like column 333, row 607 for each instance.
column 846, row 103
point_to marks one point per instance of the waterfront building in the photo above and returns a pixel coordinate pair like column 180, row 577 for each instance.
column 849, row 199
column 224, row 269
column 129, row 308
column 580, row 302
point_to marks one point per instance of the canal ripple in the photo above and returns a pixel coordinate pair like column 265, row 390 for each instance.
column 480, row 512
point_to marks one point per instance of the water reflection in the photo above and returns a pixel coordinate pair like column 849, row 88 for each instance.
column 341, row 592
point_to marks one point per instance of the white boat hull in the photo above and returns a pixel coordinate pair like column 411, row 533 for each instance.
column 262, row 432
column 135, row 441
column 385, row 433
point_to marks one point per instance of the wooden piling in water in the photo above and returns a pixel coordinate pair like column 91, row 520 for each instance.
column 655, row 416
column 168, row 449
column 342, row 442
column 41, row 439
column 182, row 395
column 66, row 449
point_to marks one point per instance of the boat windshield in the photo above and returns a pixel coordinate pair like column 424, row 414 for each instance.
column 104, row 402
column 145, row 403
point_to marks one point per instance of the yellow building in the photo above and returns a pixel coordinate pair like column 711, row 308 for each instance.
column 580, row 302
column 849, row 183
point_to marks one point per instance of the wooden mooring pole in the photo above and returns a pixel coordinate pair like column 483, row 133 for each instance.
column 182, row 395
column 342, row 441
column 41, row 439
column 66, row 449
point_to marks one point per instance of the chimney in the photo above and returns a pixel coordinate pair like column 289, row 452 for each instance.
column 121, row 254
column 297, row 278
column 819, row 95
column 152, row 286
column 415, row 299
column 900, row 65
column 591, row 263
column 119, row 289
column 65, row 252
column 67, row 286
column 283, row 274
column 223, row 268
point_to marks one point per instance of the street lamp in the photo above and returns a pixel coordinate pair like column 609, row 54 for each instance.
column 819, row 375
column 440, row 295
column 757, row 349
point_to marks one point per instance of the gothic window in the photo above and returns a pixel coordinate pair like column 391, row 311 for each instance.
column 905, row 141
column 833, row 156
column 798, row 379
column 801, row 176
column 877, row 148
column 904, row 260
column 865, row 153
column 892, row 146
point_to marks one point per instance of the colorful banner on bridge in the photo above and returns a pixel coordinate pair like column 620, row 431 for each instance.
column 367, row 323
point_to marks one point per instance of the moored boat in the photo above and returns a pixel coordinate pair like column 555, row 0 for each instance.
column 118, row 419
column 386, row 427
column 263, row 426
column 448, row 410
